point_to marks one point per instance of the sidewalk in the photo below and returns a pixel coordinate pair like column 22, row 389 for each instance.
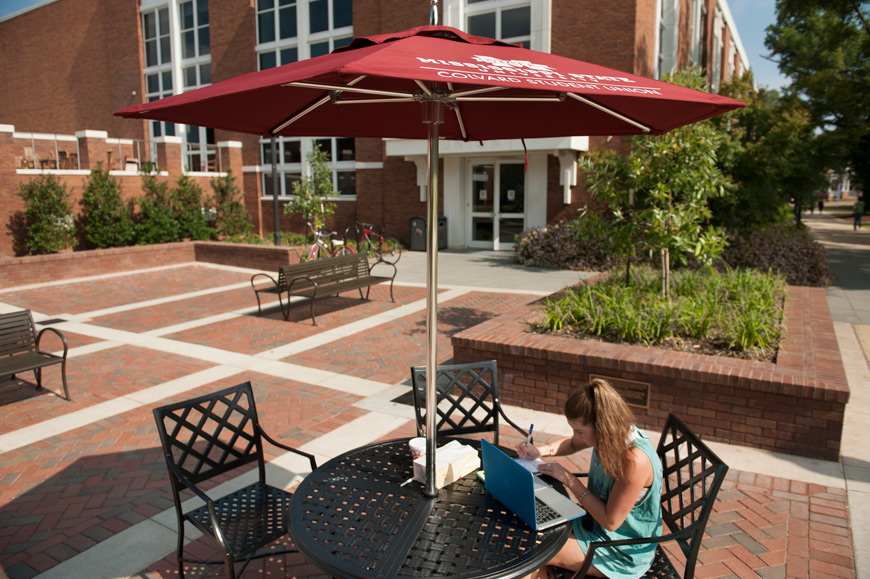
column 83, row 491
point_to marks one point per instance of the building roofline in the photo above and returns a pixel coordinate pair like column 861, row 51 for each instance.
column 735, row 34
column 26, row 9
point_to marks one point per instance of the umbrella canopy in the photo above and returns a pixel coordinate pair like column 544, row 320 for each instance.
column 461, row 87
column 494, row 90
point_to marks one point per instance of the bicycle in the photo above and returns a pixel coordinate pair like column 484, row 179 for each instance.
column 373, row 243
column 325, row 246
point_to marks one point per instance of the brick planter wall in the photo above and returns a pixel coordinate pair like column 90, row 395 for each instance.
column 18, row 271
column 795, row 406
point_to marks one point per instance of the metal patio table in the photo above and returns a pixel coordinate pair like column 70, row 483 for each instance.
column 352, row 518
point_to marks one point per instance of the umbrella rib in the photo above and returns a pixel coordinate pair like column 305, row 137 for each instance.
column 465, row 93
column 347, row 88
column 319, row 103
column 610, row 112
column 458, row 114
column 495, row 99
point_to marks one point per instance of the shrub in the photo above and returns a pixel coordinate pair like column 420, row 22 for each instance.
column 786, row 249
column 733, row 311
column 582, row 244
column 108, row 220
column 48, row 215
column 231, row 217
column 155, row 221
column 187, row 206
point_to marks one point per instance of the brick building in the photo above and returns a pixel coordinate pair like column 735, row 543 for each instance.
column 69, row 64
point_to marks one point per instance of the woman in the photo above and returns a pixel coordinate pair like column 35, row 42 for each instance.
column 624, row 486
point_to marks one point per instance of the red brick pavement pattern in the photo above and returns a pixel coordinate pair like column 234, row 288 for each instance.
column 87, row 296
column 96, row 378
column 169, row 314
column 62, row 496
column 387, row 352
column 255, row 334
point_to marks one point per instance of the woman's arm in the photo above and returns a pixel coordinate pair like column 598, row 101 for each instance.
column 623, row 496
column 561, row 447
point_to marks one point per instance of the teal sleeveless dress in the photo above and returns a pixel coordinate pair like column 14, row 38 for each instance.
column 644, row 520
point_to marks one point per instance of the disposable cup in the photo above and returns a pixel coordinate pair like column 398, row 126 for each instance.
column 418, row 447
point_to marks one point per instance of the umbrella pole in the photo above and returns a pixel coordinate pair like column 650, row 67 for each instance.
column 277, row 218
column 433, row 116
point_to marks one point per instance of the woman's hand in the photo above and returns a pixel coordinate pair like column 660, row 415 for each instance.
column 527, row 450
column 557, row 471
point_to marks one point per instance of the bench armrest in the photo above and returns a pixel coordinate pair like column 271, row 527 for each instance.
column 393, row 265
column 290, row 283
column 310, row 457
column 60, row 335
column 266, row 275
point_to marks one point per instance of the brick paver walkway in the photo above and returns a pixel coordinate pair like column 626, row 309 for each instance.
column 66, row 493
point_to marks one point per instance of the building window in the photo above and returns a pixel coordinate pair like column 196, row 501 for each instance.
column 697, row 27
column 508, row 20
column 155, row 31
column 716, row 66
column 292, row 163
column 669, row 20
column 157, row 86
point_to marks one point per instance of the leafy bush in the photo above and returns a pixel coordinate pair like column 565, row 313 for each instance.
column 736, row 311
column 582, row 244
column 232, row 218
column 108, row 220
column 155, row 221
column 187, row 204
column 48, row 215
column 786, row 249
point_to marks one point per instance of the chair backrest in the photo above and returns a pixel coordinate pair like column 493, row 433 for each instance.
column 17, row 333
column 692, row 476
column 211, row 435
column 467, row 398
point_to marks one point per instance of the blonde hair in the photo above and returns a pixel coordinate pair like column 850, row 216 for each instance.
column 600, row 405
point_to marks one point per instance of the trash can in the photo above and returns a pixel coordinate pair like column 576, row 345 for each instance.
column 418, row 234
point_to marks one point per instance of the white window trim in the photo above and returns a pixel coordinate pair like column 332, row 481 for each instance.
column 667, row 36
column 454, row 14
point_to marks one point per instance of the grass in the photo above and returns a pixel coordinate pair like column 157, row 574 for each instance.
column 735, row 313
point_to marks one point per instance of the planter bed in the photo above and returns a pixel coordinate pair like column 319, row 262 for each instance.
column 795, row 405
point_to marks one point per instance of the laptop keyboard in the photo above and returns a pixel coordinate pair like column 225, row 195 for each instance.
column 544, row 513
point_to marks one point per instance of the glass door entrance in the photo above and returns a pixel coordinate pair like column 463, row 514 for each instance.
column 498, row 200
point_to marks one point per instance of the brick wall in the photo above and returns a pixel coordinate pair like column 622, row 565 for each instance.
column 794, row 406
column 19, row 271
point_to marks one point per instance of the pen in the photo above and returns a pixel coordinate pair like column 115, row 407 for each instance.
column 529, row 438
column 406, row 482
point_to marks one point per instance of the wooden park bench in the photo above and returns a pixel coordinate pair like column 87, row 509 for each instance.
column 19, row 348
column 322, row 278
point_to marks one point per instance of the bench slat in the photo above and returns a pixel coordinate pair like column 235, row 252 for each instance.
column 19, row 350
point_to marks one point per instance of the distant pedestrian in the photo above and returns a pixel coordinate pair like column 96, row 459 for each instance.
column 821, row 205
column 858, row 212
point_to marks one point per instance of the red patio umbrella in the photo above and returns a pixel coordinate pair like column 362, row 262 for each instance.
column 460, row 86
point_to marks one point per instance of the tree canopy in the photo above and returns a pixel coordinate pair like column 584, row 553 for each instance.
column 823, row 46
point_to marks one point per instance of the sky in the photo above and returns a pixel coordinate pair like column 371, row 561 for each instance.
column 751, row 16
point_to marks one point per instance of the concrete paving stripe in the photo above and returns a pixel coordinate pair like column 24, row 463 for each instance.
column 153, row 539
column 114, row 275
column 493, row 290
column 63, row 424
column 352, row 328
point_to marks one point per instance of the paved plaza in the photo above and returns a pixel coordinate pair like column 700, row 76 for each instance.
column 83, row 487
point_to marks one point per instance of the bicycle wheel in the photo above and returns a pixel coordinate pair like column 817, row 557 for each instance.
column 390, row 250
column 343, row 250
column 315, row 253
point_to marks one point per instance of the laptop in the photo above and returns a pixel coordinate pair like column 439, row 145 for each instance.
column 538, row 504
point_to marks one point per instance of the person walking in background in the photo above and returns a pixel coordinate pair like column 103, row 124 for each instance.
column 821, row 205
column 858, row 212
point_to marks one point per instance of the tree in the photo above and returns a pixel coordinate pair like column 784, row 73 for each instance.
column 108, row 219
column 231, row 216
column 312, row 192
column 823, row 46
column 155, row 222
column 663, row 188
column 187, row 208
column 771, row 151
column 48, row 215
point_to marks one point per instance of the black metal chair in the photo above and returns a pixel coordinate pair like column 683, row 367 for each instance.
column 467, row 399
column 206, row 437
column 692, row 477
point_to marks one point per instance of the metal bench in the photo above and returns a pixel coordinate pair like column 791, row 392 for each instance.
column 19, row 348
column 322, row 278
column 692, row 475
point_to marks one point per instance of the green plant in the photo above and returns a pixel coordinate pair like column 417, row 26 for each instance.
column 312, row 192
column 187, row 206
column 155, row 220
column 583, row 244
column 734, row 311
column 48, row 215
column 231, row 217
column 108, row 220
